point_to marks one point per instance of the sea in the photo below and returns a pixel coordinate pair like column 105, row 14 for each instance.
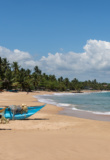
column 95, row 105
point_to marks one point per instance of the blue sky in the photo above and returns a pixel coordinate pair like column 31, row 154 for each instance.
column 39, row 27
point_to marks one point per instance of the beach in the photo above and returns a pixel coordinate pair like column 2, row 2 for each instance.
column 49, row 135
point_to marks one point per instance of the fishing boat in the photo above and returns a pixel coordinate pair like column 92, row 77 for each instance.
column 8, row 113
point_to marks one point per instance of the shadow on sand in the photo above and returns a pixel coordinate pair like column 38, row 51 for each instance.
column 5, row 129
column 35, row 119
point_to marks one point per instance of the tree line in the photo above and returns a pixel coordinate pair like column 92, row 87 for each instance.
column 14, row 77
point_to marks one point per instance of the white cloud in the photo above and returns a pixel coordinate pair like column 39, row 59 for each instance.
column 21, row 57
column 94, row 62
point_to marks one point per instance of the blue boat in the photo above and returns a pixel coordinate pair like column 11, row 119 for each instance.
column 8, row 114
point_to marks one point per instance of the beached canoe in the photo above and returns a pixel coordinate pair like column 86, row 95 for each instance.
column 8, row 114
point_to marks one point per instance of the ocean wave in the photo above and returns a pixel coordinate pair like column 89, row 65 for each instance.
column 41, row 98
column 93, row 112
column 102, row 113
column 63, row 104
column 67, row 94
column 62, row 94
column 45, row 99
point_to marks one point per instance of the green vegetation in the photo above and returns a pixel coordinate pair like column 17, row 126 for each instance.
column 12, row 76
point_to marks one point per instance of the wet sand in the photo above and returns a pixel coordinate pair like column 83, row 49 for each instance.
column 48, row 135
column 85, row 115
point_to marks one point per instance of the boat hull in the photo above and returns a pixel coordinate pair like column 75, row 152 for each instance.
column 31, row 110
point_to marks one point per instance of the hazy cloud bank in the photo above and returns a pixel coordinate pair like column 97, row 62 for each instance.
column 94, row 62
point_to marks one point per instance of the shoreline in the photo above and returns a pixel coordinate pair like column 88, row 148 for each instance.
column 59, row 110
column 49, row 135
column 81, row 113
column 84, row 115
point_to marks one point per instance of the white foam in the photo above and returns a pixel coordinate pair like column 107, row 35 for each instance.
column 41, row 98
column 76, row 109
column 64, row 104
column 102, row 113
column 63, row 94
column 50, row 101
column 99, row 113
column 72, row 94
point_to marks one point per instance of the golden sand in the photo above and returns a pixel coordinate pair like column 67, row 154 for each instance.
column 50, row 136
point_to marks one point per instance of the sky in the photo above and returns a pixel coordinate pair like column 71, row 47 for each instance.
column 69, row 38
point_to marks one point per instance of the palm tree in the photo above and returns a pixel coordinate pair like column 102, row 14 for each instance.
column 52, row 77
column 60, row 79
column 35, row 80
column 5, row 67
column 5, row 64
column 44, row 76
column 15, row 67
column 37, row 70
column 28, row 72
column 8, row 77
column 0, row 68
column 66, row 82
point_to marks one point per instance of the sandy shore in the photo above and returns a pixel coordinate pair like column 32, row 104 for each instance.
column 50, row 136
